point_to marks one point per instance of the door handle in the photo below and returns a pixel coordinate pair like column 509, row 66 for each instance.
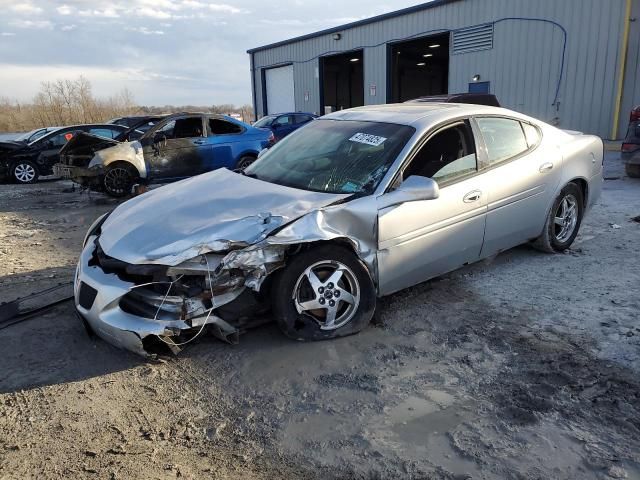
column 546, row 167
column 472, row 196
column 199, row 142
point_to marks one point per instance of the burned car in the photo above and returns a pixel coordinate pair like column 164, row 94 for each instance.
column 359, row 204
column 176, row 147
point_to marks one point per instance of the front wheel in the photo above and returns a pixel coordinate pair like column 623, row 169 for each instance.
column 633, row 171
column 119, row 179
column 325, row 292
column 25, row 172
column 563, row 221
column 245, row 161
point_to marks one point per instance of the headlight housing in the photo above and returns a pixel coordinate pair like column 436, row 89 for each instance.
column 94, row 229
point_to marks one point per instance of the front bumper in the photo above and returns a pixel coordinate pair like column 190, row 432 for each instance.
column 98, row 296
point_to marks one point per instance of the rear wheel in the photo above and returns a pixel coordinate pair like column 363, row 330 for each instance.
column 119, row 179
column 563, row 221
column 245, row 161
column 323, row 293
column 25, row 171
column 633, row 171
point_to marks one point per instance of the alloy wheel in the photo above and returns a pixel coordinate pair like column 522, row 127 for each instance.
column 329, row 292
column 24, row 172
column 117, row 180
column 566, row 218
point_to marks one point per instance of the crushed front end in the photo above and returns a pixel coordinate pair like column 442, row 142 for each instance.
column 151, row 309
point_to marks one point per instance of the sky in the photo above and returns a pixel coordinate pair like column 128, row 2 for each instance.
column 166, row 52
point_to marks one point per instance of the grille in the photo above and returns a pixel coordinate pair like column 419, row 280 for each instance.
column 87, row 295
column 472, row 39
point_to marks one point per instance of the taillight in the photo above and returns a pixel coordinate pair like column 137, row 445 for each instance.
column 630, row 147
column 635, row 114
column 272, row 138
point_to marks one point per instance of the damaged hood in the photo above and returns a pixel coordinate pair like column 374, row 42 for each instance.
column 82, row 141
column 212, row 212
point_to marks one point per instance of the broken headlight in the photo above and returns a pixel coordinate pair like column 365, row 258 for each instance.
column 95, row 227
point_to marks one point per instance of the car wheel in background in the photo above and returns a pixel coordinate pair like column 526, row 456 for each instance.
column 245, row 161
column 119, row 179
column 633, row 171
column 563, row 221
column 25, row 171
column 323, row 293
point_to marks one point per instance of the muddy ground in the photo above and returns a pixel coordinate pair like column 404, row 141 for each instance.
column 522, row 367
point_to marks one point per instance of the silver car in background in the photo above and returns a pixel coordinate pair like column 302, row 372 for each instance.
column 356, row 205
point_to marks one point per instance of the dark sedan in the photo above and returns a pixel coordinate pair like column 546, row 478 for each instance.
column 631, row 145
column 26, row 162
column 283, row 124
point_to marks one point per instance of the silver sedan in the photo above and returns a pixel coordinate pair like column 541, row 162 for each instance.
column 356, row 205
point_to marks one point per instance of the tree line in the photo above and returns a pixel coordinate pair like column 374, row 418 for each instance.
column 70, row 102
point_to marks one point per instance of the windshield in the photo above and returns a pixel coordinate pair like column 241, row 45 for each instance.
column 333, row 156
column 32, row 135
column 264, row 121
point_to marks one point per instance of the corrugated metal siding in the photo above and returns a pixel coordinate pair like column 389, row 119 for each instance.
column 631, row 96
column 523, row 66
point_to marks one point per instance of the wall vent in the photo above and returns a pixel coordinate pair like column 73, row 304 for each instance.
column 472, row 39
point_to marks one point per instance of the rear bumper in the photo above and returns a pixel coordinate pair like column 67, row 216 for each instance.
column 81, row 175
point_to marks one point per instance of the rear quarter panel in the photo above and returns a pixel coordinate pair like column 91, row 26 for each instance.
column 583, row 160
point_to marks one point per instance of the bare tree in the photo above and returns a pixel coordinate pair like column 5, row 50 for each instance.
column 67, row 102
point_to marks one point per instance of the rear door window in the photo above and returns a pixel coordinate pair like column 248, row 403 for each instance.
column 302, row 118
column 104, row 132
column 503, row 137
column 218, row 126
column 284, row 120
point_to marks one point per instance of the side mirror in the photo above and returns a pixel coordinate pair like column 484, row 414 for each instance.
column 413, row 189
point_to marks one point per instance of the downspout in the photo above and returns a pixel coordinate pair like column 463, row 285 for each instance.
column 622, row 68
column 253, row 89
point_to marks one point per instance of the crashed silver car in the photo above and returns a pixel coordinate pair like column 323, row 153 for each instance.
column 357, row 205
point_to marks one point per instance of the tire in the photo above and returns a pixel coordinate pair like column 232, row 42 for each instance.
column 118, row 179
column 245, row 161
column 25, row 172
column 563, row 221
column 633, row 171
column 308, row 281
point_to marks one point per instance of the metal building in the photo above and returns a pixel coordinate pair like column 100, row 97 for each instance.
column 573, row 63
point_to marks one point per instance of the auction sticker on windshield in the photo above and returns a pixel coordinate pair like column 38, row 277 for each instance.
column 367, row 139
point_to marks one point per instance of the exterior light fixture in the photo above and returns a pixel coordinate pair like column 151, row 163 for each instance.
column 421, row 64
column 476, row 77
column 355, row 59
column 435, row 45
column 427, row 55
column 337, row 36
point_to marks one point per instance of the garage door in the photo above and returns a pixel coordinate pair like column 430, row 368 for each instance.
column 279, row 87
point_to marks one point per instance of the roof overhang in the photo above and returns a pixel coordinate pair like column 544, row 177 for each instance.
column 359, row 23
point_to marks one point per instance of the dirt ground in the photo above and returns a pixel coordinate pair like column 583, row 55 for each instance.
column 523, row 367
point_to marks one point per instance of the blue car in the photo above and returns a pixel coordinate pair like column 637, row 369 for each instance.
column 283, row 124
column 179, row 146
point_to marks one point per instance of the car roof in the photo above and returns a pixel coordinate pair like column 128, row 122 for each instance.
column 417, row 114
